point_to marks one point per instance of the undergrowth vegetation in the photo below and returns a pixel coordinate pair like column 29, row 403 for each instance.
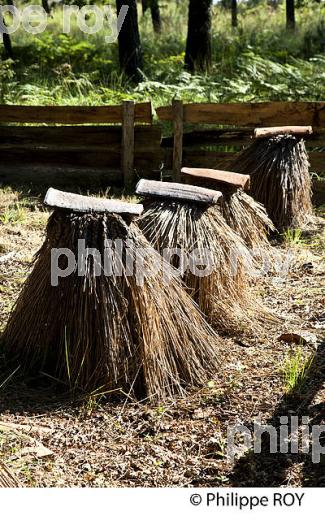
column 258, row 61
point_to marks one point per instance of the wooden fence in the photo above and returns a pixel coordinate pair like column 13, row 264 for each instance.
column 233, row 126
column 117, row 144
column 78, row 144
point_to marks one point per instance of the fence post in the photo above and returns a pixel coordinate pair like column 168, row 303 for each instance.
column 178, row 113
column 128, row 143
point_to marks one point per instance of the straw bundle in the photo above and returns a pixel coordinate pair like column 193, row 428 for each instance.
column 105, row 332
column 242, row 213
column 279, row 170
column 7, row 478
column 223, row 295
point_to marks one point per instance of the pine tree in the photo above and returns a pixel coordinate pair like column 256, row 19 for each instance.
column 130, row 51
column 290, row 10
column 198, row 48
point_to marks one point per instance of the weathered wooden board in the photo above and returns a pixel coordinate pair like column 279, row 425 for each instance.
column 62, row 176
column 74, row 156
column 72, row 114
column 92, row 159
column 176, row 191
column 233, row 137
column 110, row 137
column 127, row 156
column 201, row 159
column 319, row 192
column 251, row 114
column 227, row 177
column 83, row 204
column 222, row 160
column 178, row 139
column 272, row 131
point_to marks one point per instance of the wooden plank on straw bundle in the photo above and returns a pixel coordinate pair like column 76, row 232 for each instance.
column 231, row 178
column 83, row 204
column 272, row 131
column 174, row 190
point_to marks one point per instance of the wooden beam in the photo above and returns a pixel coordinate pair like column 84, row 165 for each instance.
column 176, row 191
column 72, row 114
column 232, row 178
column 319, row 192
column 128, row 144
column 251, row 114
column 82, row 204
column 178, row 139
column 234, row 136
column 272, row 131
column 223, row 160
column 59, row 175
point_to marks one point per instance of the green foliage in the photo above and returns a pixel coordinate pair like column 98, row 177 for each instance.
column 295, row 370
column 13, row 215
column 257, row 61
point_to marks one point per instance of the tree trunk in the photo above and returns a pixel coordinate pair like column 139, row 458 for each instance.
column 153, row 5
column 234, row 21
column 130, row 52
column 145, row 5
column 290, row 9
column 46, row 6
column 155, row 15
column 6, row 37
column 198, row 55
column 7, row 43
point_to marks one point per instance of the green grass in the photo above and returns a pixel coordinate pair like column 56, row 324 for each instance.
column 13, row 215
column 295, row 370
column 258, row 61
column 293, row 238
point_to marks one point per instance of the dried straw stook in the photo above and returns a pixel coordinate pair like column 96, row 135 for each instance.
column 7, row 478
column 224, row 294
column 105, row 331
column 280, row 179
column 247, row 217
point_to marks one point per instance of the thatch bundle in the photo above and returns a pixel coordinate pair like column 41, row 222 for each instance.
column 280, row 180
column 7, row 478
column 104, row 331
column 168, row 222
column 242, row 213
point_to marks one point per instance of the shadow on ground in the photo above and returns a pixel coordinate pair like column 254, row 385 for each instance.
column 273, row 470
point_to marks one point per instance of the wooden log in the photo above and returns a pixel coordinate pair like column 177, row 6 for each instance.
column 178, row 139
column 176, row 191
column 260, row 133
column 232, row 178
column 128, row 144
column 251, row 114
column 82, row 204
column 72, row 114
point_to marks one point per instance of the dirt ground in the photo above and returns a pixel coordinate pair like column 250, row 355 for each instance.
column 47, row 440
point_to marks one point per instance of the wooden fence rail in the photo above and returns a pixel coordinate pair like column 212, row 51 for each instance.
column 235, row 122
column 34, row 152
column 117, row 144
